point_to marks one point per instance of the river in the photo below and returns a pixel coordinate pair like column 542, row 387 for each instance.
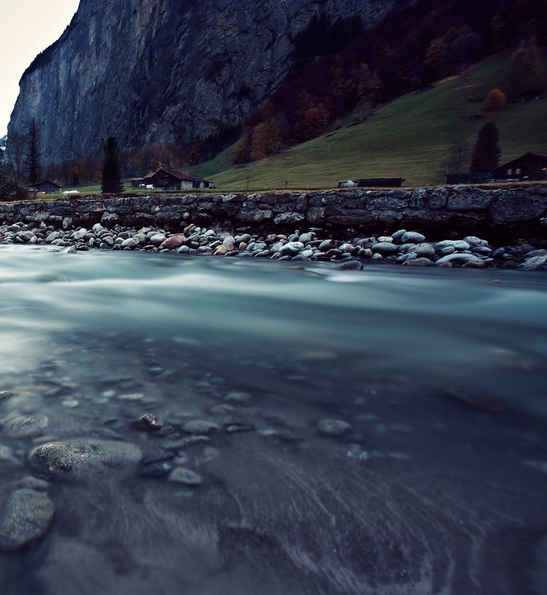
column 438, row 484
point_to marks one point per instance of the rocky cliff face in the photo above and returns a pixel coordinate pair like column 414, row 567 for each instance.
column 165, row 70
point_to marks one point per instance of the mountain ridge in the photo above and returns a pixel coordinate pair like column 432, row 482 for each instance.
column 147, row 71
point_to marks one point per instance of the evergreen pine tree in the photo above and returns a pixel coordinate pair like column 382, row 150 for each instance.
column 487, row 152
column 33, row 154
column 112, row 179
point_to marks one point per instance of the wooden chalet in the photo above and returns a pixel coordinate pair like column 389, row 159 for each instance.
column 47, row 187
column 529, row 166
column 170, row 179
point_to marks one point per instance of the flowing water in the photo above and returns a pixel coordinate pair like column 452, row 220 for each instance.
column 440, row 486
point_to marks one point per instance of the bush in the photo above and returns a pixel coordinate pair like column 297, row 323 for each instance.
column 495, row 100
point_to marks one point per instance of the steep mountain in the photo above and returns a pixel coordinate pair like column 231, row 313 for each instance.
column 150, row 71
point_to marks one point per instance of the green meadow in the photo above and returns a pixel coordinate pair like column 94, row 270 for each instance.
column 408, row 138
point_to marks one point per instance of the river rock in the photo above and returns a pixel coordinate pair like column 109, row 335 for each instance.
column 385, row 248
column 535, row 263
column 85, row 458
column 6, row 454
column 459, row 258
column 351, row 265
column 185, row 476
column 412, row 237
column 424, row 249
column 130, row 243
column 178, row 443
column 291, row 249
column 475, row 241
column 27, row 517
column 22, row 426
column 147, row 422
column 200, row 426
column 32, row 483
column 418, row 262
column 173, row 242
column 456, row 244
column 333, row 427
column 237, row 397
column 157, row 239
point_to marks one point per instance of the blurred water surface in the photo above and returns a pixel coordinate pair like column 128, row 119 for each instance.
column 441, row 374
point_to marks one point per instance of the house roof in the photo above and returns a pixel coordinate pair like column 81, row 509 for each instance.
column 172, row 172
column 49, row 182
column 533, row 155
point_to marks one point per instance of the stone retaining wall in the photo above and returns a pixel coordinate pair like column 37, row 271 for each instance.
column 462, row 208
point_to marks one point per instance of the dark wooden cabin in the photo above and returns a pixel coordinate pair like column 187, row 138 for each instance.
column 48, row 187
column 529, row 166
column 170, row 179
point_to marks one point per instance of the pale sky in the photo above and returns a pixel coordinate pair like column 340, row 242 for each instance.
column 27, row 28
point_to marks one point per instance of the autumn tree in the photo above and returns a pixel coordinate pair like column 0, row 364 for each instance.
column 525, row 76
column 112, row 179
column 266, row 140
column 242, row 153
column 487, row 151
column 33, row 154
column 495, row 100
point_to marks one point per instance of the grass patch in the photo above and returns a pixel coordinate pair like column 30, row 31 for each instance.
column 407, row 138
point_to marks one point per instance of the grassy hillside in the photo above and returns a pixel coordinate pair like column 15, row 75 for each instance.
column 407, row 138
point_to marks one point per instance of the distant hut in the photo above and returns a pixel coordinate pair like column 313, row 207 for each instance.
column 170, row 179
column 529, row 166
column 47, row 187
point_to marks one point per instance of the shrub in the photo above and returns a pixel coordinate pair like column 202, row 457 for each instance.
column 495, row 100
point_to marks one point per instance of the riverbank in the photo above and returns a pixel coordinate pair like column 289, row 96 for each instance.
column 497, row 214
column 454, row 226
column 408, row 248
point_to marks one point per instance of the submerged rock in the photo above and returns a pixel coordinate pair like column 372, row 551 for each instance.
column 237, row 397
column 333, row 427
column 147, row 422
column 21, row 426
column 27, row 517
column 186, row 476
column 200, row 426
column 84, row 458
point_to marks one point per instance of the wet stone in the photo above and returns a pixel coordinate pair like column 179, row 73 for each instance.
column 175, row 444
column 237, row 397
column 85, row 458
column 222, row 409
column 27, row 517
column 6, row 455
column 157, row 469
column 147, row 422
column 333, row 428
column 200, row 427
column 22, row 426
column 185, row 476
column 32, row 483
column 234, row 428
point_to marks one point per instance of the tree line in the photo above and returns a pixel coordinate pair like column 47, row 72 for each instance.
column 407, row 51
column 21, row 169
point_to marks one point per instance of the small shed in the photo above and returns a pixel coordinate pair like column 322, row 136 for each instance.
column 529, row 166
column 171, row 179
column 48, row 187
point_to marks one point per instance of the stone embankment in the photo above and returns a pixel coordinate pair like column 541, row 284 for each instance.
column 334, row 226
column 462, row 208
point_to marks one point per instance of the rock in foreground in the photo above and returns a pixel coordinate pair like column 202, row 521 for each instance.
column 27, row 517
